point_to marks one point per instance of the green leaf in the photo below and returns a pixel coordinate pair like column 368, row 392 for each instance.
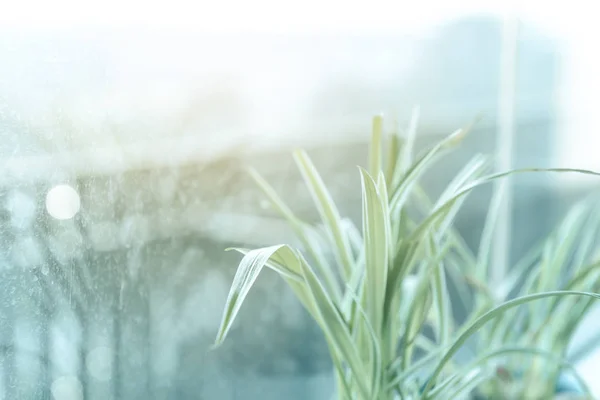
column 376, row 235
column 376, row 357
column 278, row 266
column 421, row 304
column 245, row 276
column 442, row 298
column 355, row 238
column 469, row 173
column 392, row 158
column 404, row 258
column 385, row 207
column 585, row 248
column 522, row 350
column 303, row 231
column 497, row 311
column 504, row 328
column 399, row 374
column 469, row 382
column 564, row 317
column 569, row 244
column 561, row 249
column 420, row 301
column 408, row 148
column 335, row 329
column 517, row 274
column 330, row 215
column 354, row 288
column 401, row 191
column 375, row 159
column 443, row 209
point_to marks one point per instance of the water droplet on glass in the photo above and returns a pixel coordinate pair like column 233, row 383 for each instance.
column 67, row 388
column 99, row 363
column 62, row 202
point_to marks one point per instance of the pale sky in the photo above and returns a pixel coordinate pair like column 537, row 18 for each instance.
column 274, row 15
column 574, row 22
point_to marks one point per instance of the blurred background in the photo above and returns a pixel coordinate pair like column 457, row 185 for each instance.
column 125, row 128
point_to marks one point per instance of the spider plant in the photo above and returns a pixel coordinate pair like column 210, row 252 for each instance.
column 568, row 259
column 386, row 283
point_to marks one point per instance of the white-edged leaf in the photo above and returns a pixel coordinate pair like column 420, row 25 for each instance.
column 303, row 231
column 376, row 357
column 393, row 156
column 375, row 158
column 245, row 276
column 443, row 209
column 335, row 329
column 471, row 329
column 401, row 191
column 278, row 266
column 521, row 351
column 330, row 215
column 376, row 235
